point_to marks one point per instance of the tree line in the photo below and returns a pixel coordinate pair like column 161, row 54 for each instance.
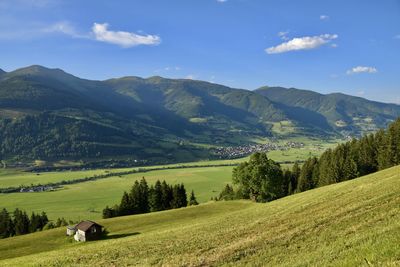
column 143, row 199
column 19, row 223
column 262, row 179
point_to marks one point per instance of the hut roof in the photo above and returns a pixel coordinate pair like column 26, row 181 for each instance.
column 85, row 225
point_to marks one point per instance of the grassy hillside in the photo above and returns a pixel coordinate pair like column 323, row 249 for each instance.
column 353, row 223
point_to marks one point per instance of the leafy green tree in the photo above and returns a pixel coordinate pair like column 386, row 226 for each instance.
column 260, row 179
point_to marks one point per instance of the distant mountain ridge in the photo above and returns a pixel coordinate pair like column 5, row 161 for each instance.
column 342, row 112
column 48, row 113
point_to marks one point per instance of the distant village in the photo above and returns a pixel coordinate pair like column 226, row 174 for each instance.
column 37, row 189
column 241, row 151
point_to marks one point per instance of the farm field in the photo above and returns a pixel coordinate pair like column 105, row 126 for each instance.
column 15, row 178
column 352, row 223
column 86, row 200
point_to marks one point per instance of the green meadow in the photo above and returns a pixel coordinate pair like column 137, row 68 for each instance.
column 353, row 223
column 86, row 200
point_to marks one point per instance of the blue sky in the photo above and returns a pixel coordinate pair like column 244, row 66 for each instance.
column 349, row 46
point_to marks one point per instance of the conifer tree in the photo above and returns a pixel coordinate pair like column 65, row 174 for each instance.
column 34, row 223
column 125, row 205
column 155, row 197
column 227, row 193
column 295, row 173
column 166, row 196
column 143, row 196
column 192, row 200
column 6, row 224
column 307, row 175
column 21, row 222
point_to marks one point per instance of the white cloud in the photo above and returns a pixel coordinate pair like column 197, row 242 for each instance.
column 283, row 35
column 123, row 39
column 361, row 69
column 64, row 27
column 323, row 17
column 302, row 43
column 222, row 1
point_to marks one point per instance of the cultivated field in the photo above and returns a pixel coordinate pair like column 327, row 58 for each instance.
column 87, row 199
column 353, row 223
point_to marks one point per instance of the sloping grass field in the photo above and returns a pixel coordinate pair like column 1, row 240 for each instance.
column 354, row 223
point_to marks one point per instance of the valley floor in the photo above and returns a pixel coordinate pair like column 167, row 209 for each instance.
column 353, row 223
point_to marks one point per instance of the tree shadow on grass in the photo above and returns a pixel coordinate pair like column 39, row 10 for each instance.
column 116, row 236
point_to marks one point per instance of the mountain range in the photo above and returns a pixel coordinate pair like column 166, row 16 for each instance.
column 50, row 114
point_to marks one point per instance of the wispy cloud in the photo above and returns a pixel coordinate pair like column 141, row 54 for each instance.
column 397, row 36
column 64, row 27
column 302, row 43
column 362, row 69
column 222, row 1
column 324, row 17
column 283, row 35
column 121, row 38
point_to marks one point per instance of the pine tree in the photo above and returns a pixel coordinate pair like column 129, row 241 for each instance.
column 227, row 193
column 34, row 223
column 134, row 199
column 143, row 196
column 21, row 222
column 192, row 200
column 307, row 175
column 43, row 220
column 166, row 196
column 125, row 205
column 6, row 224
column 295, row 174
column 179, row 197
column 155, row 197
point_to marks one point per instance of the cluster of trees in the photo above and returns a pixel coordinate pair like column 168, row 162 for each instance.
column 143, row 199
column 19, row 223
column 356, row 158
column 261, row 179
